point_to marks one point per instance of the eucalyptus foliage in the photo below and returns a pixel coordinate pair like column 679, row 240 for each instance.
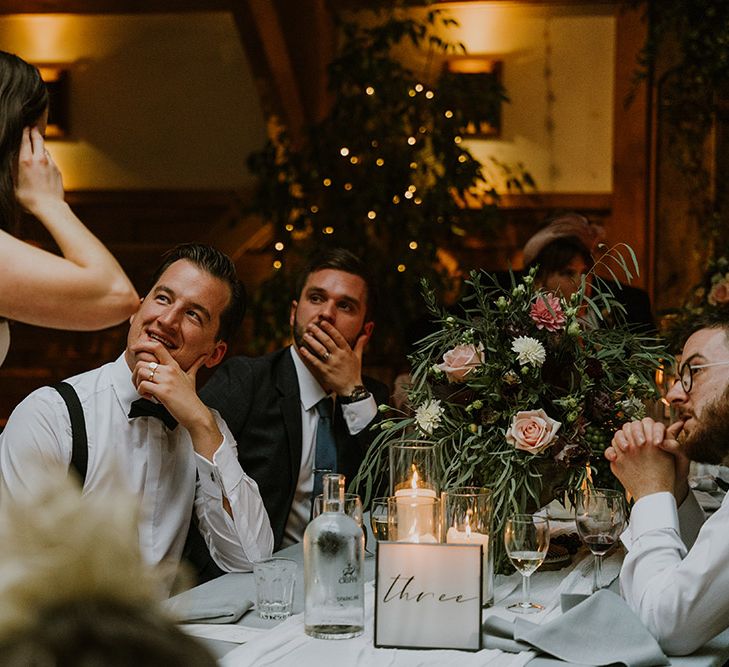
column 596, row 373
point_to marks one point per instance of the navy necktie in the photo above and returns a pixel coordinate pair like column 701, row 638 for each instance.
column 143, row 407
column 326, row 448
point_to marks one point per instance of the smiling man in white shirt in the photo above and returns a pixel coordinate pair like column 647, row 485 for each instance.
column 176, row 461
column 676, row 573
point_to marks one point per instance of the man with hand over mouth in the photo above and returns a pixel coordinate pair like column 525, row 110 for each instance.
column 305, row 409
column 675, row 575
column 138, row 422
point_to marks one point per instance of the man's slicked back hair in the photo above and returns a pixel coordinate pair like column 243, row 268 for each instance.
column 340, row 259
column 218, row 265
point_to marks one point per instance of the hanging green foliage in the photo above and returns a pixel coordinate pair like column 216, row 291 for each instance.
column 385, row 173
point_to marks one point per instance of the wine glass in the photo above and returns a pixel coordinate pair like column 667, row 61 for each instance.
column 352, row 507
column 600, row 518
column 526, row 538
column 378, row 518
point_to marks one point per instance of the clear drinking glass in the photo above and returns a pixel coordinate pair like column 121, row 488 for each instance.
column 378, row 519
column 600, row 518
column 275, row 581
column 526, row 538
column 352, row 507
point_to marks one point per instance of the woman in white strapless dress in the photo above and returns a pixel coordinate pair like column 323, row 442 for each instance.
column 84, row 288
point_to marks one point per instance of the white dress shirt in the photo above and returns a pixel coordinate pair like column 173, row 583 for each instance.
column 356, row 415
column 681, row 594
column 154, row 464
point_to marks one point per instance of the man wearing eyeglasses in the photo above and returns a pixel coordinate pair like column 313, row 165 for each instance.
column 675, row 575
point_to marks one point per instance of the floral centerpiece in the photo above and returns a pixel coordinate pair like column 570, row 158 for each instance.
column 520, row 391
column 706, row 301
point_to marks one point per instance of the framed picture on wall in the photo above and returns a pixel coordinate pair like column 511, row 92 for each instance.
column 56, row 79
column 474, row 83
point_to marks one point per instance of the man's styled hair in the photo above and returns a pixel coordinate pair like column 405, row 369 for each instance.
column 340, row 259
column 716, row 318
column 23, row 99
column 220, row 266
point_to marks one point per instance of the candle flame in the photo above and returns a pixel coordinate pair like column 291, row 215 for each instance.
column 414, row 481
column 588, row 478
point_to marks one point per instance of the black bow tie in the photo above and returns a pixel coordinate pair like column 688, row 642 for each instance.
column 143, row 407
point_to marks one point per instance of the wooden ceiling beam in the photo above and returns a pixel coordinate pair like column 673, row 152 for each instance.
column 112, row 6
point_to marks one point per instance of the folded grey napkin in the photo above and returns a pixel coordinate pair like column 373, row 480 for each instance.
column 217, row 601
column 600, row 630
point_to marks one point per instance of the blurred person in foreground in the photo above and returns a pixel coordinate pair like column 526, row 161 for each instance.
column 74, row 590
column 146, row 427
column 675, row 575
column 82, row 289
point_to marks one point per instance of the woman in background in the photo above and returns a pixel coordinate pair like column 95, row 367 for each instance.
column 84, row 288
column 563, row 250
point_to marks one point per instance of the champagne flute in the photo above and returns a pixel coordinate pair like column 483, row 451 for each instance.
column 378, row 518
column 600, row 518
column 526, row 538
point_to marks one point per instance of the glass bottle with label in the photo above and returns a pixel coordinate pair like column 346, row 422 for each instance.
column 333, row 569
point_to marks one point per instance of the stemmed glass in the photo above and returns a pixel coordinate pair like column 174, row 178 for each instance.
column 600, row 518
column 352, row 507
column 526, row 538
column 378, row 519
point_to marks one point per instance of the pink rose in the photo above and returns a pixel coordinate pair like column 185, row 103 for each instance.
column 532, row 431
column 719, row 292
column 546, row 312
column 460, row 361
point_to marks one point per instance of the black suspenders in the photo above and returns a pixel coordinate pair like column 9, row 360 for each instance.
column 79, row 439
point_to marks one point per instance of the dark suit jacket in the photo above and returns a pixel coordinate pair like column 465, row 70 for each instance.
column 259, row 399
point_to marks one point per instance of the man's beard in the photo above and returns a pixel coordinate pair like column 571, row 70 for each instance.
column 709, row 442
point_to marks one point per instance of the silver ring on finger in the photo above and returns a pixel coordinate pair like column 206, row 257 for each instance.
column 153, row 366
column 326, row 356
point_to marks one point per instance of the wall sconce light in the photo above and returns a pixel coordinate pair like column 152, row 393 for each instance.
column 475, row 85
column 56, row 78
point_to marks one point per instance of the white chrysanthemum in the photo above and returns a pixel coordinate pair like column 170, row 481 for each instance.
column 428, row 416
column 529, row 351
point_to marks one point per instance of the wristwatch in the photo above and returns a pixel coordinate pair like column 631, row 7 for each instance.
column 359, row 393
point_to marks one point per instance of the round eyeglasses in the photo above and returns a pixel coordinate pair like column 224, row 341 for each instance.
column 686, row 372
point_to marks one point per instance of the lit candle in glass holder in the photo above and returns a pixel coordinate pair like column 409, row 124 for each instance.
column 468, row 517
column 416, row 513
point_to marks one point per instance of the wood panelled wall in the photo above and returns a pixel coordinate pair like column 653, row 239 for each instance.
column 139, row 226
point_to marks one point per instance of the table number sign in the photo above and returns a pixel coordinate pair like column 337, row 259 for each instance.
column 428, row 596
